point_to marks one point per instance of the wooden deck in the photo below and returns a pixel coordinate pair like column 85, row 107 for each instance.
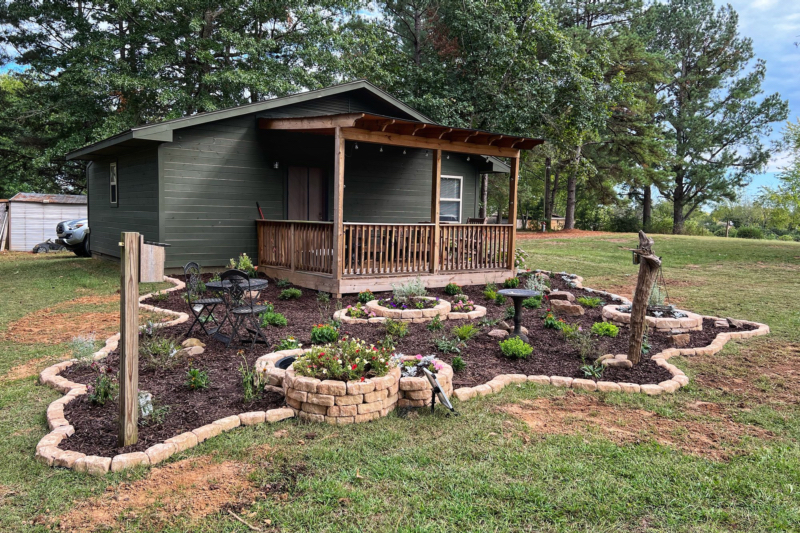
column 375, row 256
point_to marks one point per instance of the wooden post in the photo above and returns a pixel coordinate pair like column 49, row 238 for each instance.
column 129, row 340
column 513, row 180
column 338, row 206
column 436, row 190
column 648, row 271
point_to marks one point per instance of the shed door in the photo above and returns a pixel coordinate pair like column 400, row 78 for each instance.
column 308, row 194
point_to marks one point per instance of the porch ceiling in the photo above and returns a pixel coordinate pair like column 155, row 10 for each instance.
column 367, row 127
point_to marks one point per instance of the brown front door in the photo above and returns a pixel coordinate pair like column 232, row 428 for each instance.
column 308, row 194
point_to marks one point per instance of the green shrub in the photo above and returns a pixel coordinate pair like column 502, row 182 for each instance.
column 156, row 348
column 534, row 302
column 458, row 364
column 283, row 283
column 105, row 385
column 465, row 332
column 290, row 294
column 83, row 348
column 511, row 283
column 271, row 318
column 787, row 238
column 365, row 296
column 196, row 379
column 487, row 322
column 243, row 263
column 569, row 330
column 289, row 343
column 750, row 232
column 605, row 329
column 414, row 288
column 593, row 371
column 435, row 324
column 592, row 302
column 551, row 322
column 515, row 348
column 509, row 312
column 324, row 334
column 447, row 345
column 452, row 289
column 499, row 299
column 395, row 328
column 323, row 297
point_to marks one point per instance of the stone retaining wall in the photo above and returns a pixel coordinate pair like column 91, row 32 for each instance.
column 416, row 391
column 443, row 310
column 691, row 322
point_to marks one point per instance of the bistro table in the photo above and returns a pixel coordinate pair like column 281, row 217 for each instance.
column 518, row 295
column 256, row 285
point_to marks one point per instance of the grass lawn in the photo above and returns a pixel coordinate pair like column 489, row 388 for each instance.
column 721, row 454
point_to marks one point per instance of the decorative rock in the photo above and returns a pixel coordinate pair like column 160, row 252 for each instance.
column 364, row 408
column 560, row 381
column 624, row 363
column 505, row 326
column 188, row 343
column 320, row 399
column 482, row 390
column 629, row 387
column 45, row 454
column 383, row 383
column 228, row 423
column 343, row 420
column 184, row 441
column 51, row 440
column 541, row 380
column 305, row 384
column 408, row 384
column 360, row 387
column 314, row 408
column 349, row 400
column 464, row 393
column 406, row 403
column 206, row 432
column 366, row 417
column 608, row 386
column 680, row 340
column 160, row 452
column 276, row 415
column 562, row 295
column 721, row 324
column 498, row 333
column 378, row 395
column 565, row 308
column 311, row 417
column 681, row 379
column 67, row 458
column 585, row 384
column 93, row 465
column 343, row 410
column 252, row 418
column 602, row 358
column 670, row 385
column 297, row 395
column 129, row 460
column 517, row 378
column 652, row 390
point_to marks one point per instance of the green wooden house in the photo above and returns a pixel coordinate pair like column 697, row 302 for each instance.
column 356, row 190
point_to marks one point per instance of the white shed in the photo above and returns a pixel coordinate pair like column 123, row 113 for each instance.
column 33, row 217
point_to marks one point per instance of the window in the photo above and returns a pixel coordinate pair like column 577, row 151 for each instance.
column 112, row 185
column 450, row 199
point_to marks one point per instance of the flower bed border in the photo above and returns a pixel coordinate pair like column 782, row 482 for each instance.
column 691, row 322
column 442, row 310
column 48, row 452
column 679, row 378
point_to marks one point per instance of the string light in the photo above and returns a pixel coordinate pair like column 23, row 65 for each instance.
column 426, row 153
column 356, row 146
column 381, row 150
column 467, row 158
column 404, row 151
column 448, row 156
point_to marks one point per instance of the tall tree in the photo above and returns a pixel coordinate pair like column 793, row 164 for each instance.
column 784, row 200
column 711, row 105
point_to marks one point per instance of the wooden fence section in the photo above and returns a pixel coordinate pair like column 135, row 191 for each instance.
column 371, row 249
column 473, row 246
column 296, row 245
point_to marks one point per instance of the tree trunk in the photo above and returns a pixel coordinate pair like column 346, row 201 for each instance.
column 553, row 194
column 648, row 270
column 677, row 206
column 569, row 217
column 647, row 208
column 482, row 212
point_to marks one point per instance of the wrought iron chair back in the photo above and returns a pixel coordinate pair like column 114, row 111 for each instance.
column 194, row 281
column 241, row 307
column 201, row 307
column 239, row 290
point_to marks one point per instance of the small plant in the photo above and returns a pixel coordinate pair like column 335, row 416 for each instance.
column 487, row 322
column 462, row 304
column 534, row 302
column 196, row 379
column 323, row 297
column 271, row 318
column 490, row 294
column 289, row 343
column 164, row 296
column 551, row 322
column 243, row 263
column 156, row 348
column 365, row 296
column 414, row 288
column 592, row 302
column 447, row 345
column 411, row 367
column 465, row 332
column 514, row 348
column 324, row 334
column 387, row 343
column 358, row 311
column 511, row 283
column 435, row 324
column 251, row 380
column 509, row 312
column 290, row 294
column 537, row 282
column 520, row 258
column 452, row 289
column 499, row 299
column 656, row 297
column 605, row 329
column 583, row 342
column 105, row 385
column 458, row 364
column 570, row 330
column 645, row 344
column 283, row 283
column 593, row 371
column 83, row 348
column 396, row 329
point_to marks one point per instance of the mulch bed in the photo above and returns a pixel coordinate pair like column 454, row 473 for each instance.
column 95, row 427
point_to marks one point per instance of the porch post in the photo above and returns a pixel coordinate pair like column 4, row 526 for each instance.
column 338, row 206
column 513, row 179
column 436, row 189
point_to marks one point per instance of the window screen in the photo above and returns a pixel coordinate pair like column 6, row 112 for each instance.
column 450, row 199
column 112, row 184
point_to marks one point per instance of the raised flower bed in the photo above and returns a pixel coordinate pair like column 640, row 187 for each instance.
column 407, row 311
column 415, row 389
column 680, row 321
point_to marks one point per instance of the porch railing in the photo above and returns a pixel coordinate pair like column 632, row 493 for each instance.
column 473, row 246
column 387, row 248
column 296, row 245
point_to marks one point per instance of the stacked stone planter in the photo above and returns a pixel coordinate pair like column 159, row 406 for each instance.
column 691, row 322
column 341, row 402
column 442, row 309
column 416, row 391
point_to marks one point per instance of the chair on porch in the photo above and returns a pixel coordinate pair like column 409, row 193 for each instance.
column 201, row 308
column 242, row 311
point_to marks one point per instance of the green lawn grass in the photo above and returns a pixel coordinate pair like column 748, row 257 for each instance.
column 483, row 470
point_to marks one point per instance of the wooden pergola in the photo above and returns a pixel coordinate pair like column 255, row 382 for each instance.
column 302, row 252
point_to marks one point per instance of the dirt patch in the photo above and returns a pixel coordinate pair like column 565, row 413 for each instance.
column 25, row 370
column 192, row 488
column 586, row 414
column 563, row 234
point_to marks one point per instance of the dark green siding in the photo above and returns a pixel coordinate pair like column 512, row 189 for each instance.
column 359, row 101
column 137, row 173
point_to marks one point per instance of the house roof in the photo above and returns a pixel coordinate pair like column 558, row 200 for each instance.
column 39, row 198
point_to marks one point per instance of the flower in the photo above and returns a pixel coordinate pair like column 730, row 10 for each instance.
column 419, row 357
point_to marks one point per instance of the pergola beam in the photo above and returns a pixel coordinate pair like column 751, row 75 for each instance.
column 311, row 123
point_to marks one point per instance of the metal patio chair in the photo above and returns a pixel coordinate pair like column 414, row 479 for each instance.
column 202, row 308
column 241, row 309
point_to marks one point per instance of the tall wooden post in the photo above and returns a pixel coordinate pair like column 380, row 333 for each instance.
column 338, row 207
column 129, row 340
column 649, row 264
column 547, row 199
column 513, row 181
column 436, row 194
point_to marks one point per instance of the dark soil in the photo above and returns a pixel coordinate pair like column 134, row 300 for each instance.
column 95, row 426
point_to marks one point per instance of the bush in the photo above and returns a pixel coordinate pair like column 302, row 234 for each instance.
column 447, row 345
column 283, row 283
column 156, row 348
column 396, row 329
column 324, row 334
column 750, row 232
column 458, row 364
column 346, row 360
column 534, row 302
column 196, row 379
column 83, row 348
column 414, row 288
column 452, row 289
column 435, row 324
column 289, row 343
column 323, row 297
column 537, row 282
column 593, row 371
column 290, row 294
column 365, row 296
column 105, row 385
column 499, row 299
column 551, row 322
column 787, row 238
column 509, row 312
column 590, row 302
column 605, row 329
column 465, row 332
column 243, row 263
column 511, row 283
column 271, row 318
column 515, row 348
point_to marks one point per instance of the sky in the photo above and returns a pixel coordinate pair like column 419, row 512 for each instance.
column 774, row 27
